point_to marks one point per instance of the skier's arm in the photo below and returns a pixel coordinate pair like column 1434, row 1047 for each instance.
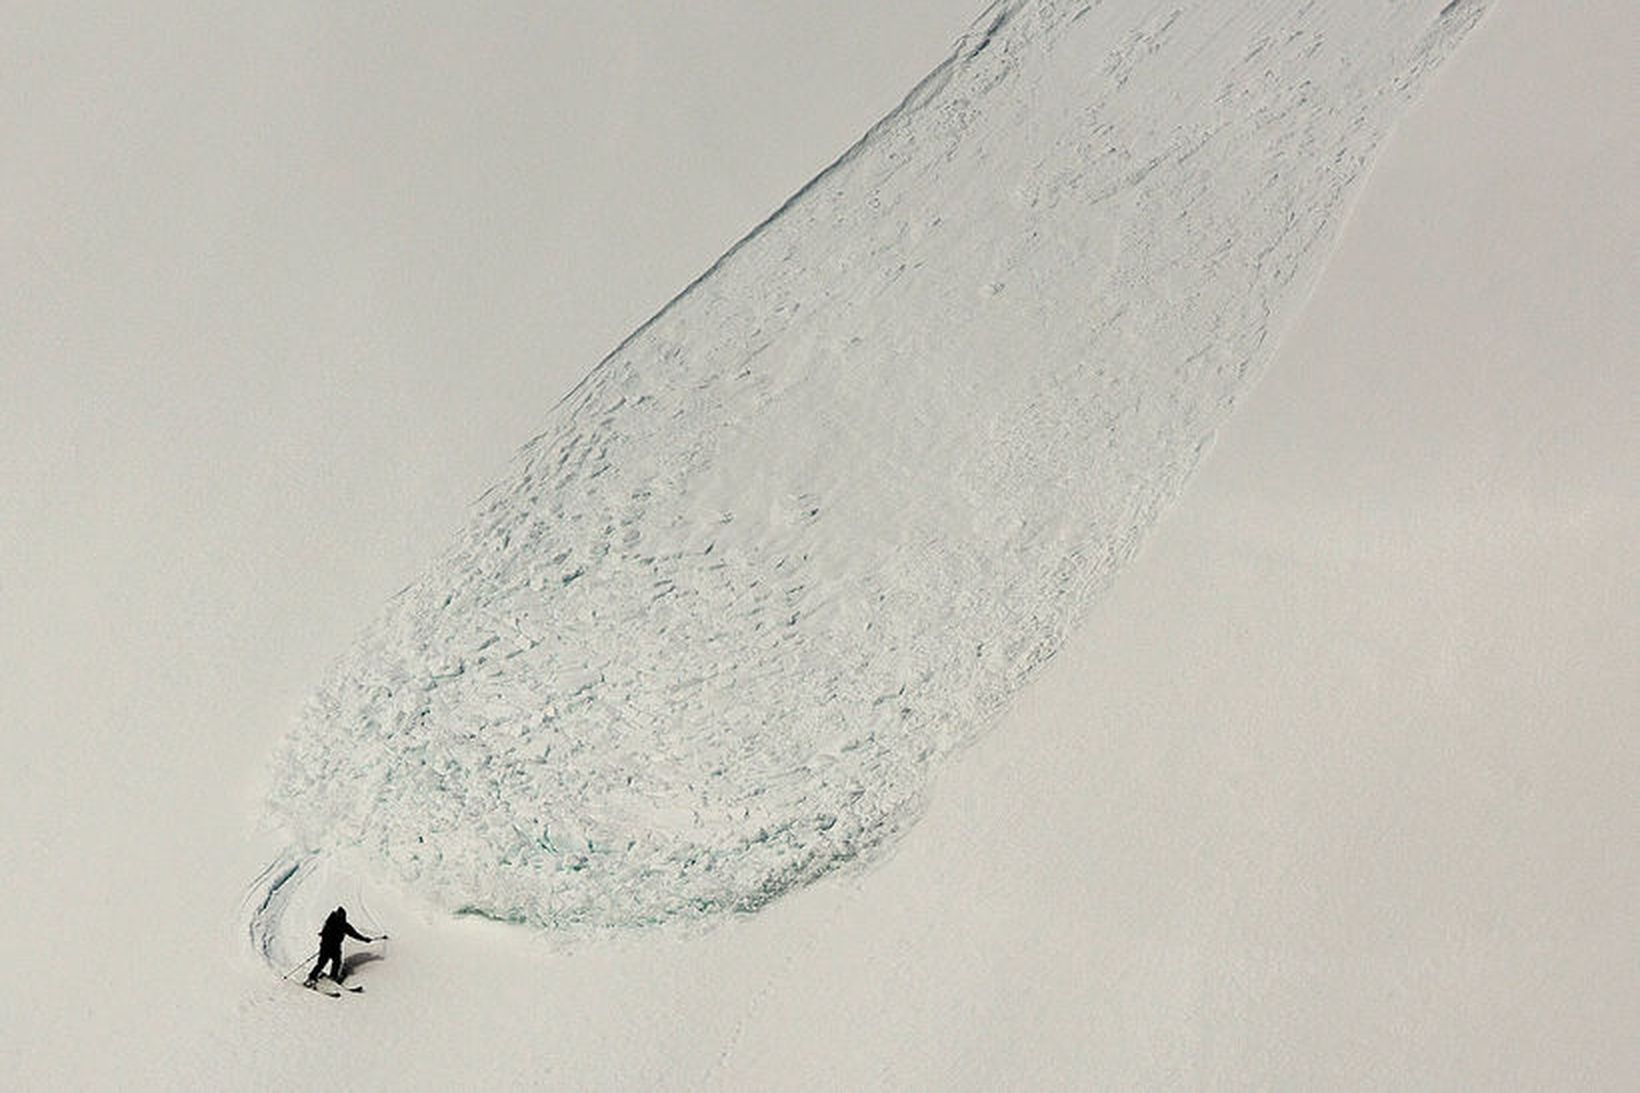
column 356, row 935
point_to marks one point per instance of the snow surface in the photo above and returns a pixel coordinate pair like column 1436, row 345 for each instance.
column 810, row 527
column 1333, row 788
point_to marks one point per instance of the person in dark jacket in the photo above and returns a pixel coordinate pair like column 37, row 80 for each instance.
column 335, row 928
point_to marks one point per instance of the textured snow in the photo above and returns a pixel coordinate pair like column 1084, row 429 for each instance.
column 807, row 530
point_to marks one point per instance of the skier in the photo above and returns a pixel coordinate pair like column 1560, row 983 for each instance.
column 330, row 945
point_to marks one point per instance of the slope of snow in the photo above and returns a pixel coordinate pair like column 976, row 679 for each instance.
column 1332, row 789
column 806, row 530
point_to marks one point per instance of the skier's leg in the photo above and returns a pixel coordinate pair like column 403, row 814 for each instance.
column 336, row 965
column 313, row 976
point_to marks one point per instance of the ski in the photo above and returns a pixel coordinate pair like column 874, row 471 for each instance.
column 334, row 990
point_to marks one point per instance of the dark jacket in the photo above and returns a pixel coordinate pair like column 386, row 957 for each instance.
column 335, row 927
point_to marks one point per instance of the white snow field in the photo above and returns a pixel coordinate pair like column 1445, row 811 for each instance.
column 1331, row 786
column 807, row 529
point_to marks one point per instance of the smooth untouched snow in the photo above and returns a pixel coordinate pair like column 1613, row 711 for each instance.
column 807, row 530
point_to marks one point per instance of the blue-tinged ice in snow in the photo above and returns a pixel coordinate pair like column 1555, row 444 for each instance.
column 809, row 528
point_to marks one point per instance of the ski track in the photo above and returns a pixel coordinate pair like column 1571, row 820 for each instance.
column 806, row 530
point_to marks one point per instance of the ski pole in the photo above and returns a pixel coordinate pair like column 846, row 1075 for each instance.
column 304, row 960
